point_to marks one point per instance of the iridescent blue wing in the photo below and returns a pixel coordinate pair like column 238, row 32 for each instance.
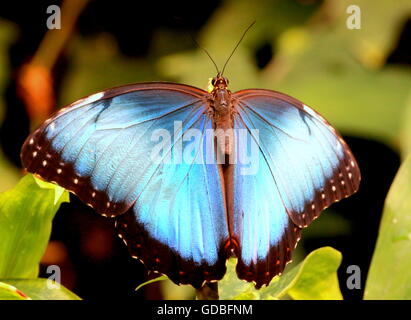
column 119, row 151
column 182, row 207
column 303, row 167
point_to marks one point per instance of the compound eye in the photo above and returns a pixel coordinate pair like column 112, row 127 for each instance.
column 213, row 82
column 226, row 81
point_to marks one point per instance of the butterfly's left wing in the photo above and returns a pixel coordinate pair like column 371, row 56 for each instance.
column 300, row 166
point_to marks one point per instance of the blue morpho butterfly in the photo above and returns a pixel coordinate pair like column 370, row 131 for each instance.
column 185, row 218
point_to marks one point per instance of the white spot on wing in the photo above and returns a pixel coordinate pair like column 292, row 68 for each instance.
column 90, row 99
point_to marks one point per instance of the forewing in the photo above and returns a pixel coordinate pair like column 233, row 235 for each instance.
column 99, row 147
column 311, row 164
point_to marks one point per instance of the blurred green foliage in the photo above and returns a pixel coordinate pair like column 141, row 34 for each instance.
column 390, row 271
column 9, row 175
column 8, row 33
column 320, row 61
column 405, row 136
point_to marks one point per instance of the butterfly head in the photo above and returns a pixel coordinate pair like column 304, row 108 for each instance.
column 219, row 82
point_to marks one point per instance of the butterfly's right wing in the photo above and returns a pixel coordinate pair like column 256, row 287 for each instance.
column 119, row 151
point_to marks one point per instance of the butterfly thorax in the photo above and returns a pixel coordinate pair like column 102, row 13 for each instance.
column 221, row 108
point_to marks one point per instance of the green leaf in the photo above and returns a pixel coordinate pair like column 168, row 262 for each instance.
column 405, row 136
column 170, row 290
column 390, row 271
column 231, row 288
column 58, row 191
column 315, row 278
column 9, row 292
column 26, row 213
column 38, row 289
column 161, row 278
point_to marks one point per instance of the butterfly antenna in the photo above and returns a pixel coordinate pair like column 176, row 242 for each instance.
column 242, row 37
column 206, row 52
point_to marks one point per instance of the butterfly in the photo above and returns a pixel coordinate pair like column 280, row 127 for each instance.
column 193, row 177
column 185, row 219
